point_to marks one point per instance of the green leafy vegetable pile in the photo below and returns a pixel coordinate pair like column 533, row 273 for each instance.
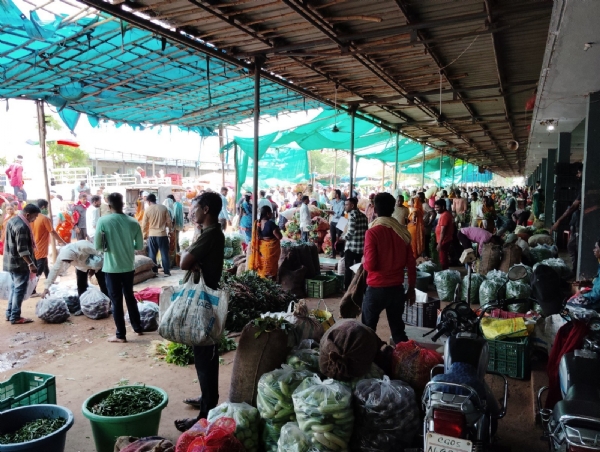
column 250, row 296
column 179, row 354
column 127, row 401
column 33, row 430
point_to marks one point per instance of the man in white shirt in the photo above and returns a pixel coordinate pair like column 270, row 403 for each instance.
column 56, row 205
column 304, row 217
column 476, row 209
column 92, row 215
column 224, row 213
column 262, row 202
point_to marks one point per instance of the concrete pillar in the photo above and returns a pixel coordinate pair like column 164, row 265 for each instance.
column 589, row 220
column 542, row 178
column 549, row 188
column 564, row 148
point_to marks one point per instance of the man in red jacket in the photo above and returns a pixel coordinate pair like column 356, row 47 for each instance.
column 387, row 253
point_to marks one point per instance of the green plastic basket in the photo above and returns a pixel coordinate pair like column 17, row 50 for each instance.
column 338, row 278
column 511, row 357
column 321, row 286
column 27, row 388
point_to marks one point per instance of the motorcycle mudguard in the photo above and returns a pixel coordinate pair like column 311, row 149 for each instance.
column 576, row 370
column 467, row 349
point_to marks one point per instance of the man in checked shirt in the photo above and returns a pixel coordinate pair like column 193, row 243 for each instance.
column 355, row 238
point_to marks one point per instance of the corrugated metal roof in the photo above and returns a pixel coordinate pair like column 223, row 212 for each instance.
column 385, row 58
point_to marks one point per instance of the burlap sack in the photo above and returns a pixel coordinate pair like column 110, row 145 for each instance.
column 348, row 349
column 143, row 276
column 142, row 264
column 351, row 304
column 511, row 255
column 491, row 256
column 255, row 356
column 293, row 280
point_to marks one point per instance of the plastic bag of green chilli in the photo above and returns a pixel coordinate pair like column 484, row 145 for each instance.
column 246, row 422
column 324, row 412
column 304, row 359
column 521, row 290
column 274, row 401
column 476, row 281
column 292, row 439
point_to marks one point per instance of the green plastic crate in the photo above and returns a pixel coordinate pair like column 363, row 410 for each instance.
column 338, row 278
column 511, row 357
column 321, row 286
column 27, row 388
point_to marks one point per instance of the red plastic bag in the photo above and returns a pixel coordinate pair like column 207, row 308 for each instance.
column 210, row 437
column 413, row 364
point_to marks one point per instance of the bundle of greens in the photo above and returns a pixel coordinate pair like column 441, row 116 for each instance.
column 127, row 401
column 250, row 296
column 33, row 430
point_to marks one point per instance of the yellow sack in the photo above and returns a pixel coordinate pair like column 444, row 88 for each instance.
column 505, row 328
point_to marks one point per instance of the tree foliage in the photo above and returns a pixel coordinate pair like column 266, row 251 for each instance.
column 52, row 122
column 67, row 156
column 322, row 162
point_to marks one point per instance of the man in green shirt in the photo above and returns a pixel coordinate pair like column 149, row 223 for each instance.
column 119, row 235
column 205, row 255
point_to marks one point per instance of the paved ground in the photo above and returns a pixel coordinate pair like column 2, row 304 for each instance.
column 77, row 353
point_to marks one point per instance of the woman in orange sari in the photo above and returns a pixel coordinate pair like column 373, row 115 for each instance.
column 416, row 227
column 265, row 247
column 65, row 225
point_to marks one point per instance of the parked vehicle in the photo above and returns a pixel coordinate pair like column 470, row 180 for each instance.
column 461, row 412
column 573, row 425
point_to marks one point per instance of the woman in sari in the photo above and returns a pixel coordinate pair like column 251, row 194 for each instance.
column 170, row 205
column 65, row 225
column 416, row 227
column 246, row 219
column 265, row 247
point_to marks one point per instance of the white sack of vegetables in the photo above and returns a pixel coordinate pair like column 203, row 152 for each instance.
column 246, row 422
column 387, row 415
column 324, row 412
column 274, row 401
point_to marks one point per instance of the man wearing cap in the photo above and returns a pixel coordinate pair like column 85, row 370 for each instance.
column 15, row 176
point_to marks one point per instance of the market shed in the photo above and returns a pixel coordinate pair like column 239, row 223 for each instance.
column 456, row 75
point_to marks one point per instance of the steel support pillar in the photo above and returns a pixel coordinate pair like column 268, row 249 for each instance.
column 589, row 219
column 549, row 189
column 542, row 178
column 396, row 163
column 257, row 65
column 441, row 160
column 352, row 117
column 423, row 170
column 564, row 148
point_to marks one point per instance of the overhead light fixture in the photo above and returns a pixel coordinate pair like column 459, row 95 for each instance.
column 550, row 127
column 587, row 46
column 550, row 124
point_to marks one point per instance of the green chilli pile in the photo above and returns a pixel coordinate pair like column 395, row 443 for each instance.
column 33, row 430
column 127, row 401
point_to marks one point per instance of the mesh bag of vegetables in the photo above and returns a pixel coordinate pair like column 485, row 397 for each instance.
column 490, row 290
column 412, row 363
column 387, row 416
column 558, row 265
column 476, row 280
column 518, row 289
column 207, row 436
column 94, row 304
column 324, row 413
column 246, row 422
column 274, row 401
column 429, row 267
column 540, row 253
column 445, row 283
column 526, row 279
column 52, row 309
column 292, row 439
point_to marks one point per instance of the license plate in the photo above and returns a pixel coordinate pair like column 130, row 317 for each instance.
column 442, row 443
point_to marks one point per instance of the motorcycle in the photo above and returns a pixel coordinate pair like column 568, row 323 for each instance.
column 461, row 412
column 574, row 423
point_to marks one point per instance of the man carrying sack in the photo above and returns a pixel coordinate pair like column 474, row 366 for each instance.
column 387, row 254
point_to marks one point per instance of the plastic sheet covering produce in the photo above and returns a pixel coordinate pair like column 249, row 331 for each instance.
column 52, row 309
column 490, row 290
column 70, row 295
column 274, row 401
column 387, row 415
column 558, row 265
column 526, row 279
column 445, row 283
column 148, row 315
column 246, row 422
column 518, row 289
column 94, row 304
column 292, row 439
column 429, row 267
column 476, row 280
column 540, row 253
column 324, row 412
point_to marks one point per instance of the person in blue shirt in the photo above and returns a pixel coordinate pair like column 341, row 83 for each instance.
column 337, row 210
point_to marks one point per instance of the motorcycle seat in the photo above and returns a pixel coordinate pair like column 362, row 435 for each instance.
column 581, row 400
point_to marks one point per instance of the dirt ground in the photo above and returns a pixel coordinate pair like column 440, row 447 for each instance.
column 77, row 353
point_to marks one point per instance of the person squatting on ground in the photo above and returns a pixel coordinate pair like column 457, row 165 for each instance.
column 205, row 255
column 387, row 252
column 119, row 236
